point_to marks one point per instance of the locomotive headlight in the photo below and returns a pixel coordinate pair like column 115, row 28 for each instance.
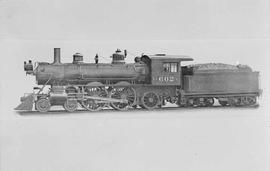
column 28, row 67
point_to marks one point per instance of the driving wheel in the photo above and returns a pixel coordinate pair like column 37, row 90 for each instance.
column 94, row 104
column 123, row 93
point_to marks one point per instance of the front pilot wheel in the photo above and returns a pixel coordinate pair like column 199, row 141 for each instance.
column 43, row 105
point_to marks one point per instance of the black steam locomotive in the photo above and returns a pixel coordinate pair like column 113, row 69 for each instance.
column 150, row 82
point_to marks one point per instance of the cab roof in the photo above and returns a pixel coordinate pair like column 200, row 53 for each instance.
column 170, row 57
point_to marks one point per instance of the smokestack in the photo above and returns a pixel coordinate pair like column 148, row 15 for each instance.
column 57, row 56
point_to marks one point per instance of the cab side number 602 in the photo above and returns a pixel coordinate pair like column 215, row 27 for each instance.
column 166, row 79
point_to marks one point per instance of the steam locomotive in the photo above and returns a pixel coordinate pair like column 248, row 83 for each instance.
column 150, row 82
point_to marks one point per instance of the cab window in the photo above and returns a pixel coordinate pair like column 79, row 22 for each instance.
column 170, row 67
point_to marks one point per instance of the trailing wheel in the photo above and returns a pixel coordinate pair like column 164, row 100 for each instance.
column 150, row 100
column 92, row 104
column 70, row 105
column 43, row 105
column 123, row 93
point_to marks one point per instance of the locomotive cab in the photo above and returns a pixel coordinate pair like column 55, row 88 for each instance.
column 166, row 69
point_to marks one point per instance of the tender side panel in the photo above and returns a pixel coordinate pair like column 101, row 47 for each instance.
column 225, row 82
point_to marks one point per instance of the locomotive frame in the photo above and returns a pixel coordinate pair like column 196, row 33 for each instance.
column 149, row 83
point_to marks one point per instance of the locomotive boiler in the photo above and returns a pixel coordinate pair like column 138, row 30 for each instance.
column 79, row 73
column 150, row 82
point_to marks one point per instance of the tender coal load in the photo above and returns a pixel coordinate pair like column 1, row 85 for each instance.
column 219, row 67
column 187, row 70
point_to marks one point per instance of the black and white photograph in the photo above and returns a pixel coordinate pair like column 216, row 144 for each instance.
column 134, row 85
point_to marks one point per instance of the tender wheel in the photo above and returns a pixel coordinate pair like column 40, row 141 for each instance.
column 134, row 106
column 91, row 104
column 150, row 100
column 248, row 101
column 43, row 105
column 251, row 100
column 209, row 101
column 124, row 93
column 70, row 105
column 223, row 103
column 235, row 101
column 199, row 102
column 190, row 102
column 238, row 101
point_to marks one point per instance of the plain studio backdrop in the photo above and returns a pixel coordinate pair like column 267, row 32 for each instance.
column 231, row 31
